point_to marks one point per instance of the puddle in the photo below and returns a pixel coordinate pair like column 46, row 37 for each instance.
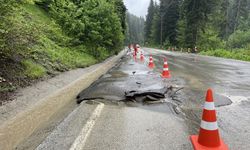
column 237, row 99
column 221, row 100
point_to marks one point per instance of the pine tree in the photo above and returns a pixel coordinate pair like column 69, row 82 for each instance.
column 197, row 12
column 149, row 22
column 156, row 26
column 240, row 13
column 170, row 15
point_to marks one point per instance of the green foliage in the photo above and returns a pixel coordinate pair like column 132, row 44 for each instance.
column 196, row 12
column 181, row 32
column 156, row 27
column 121, row 11
column 94, row 23
column 15, row 35
column 43, row 37
column 240, row 13
column 33, row 70
column 149, row 21
column 206, row 24
column 240, row 54
column 210, row 40
column 33, row 44
column 68, row 57
column 53, row 48
column 239, row 39
column 169, row 11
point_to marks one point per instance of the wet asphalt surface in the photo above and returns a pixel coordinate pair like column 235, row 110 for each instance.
column 167, row 125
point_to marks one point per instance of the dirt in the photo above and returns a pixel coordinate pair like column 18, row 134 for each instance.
column 12, row 77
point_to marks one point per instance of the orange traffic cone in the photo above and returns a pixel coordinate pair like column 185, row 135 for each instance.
column 208, row 138
column 151, row 62
column 165, row 72
column 142, row 57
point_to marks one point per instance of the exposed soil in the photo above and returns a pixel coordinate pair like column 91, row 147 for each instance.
column 12, row 75
column 12, row 78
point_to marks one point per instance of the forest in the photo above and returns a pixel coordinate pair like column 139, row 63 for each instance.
column 220, row 28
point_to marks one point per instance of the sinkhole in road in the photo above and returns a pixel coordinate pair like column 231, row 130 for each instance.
column 132, row 83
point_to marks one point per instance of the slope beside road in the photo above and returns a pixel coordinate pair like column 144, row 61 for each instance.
column 37, row 105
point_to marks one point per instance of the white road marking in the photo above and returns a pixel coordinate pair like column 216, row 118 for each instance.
column 83, row 136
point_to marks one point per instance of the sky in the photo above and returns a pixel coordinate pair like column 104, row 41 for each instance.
column 137, row 7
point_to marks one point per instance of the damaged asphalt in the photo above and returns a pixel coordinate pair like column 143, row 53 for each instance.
column 167, row 124
column 132, row 81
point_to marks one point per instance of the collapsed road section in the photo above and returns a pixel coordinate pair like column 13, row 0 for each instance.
column 139, row 112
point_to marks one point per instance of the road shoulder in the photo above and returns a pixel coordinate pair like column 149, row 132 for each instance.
column 21, row 117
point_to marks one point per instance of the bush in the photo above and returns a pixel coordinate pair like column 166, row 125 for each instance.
column 94, row 23
column 239, row 39
column 240, row 54
column 17, row 35
column 210, row 40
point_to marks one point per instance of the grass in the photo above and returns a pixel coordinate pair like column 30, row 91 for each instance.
column 39, row 47
column 33, row 70
column 52, row 50
column 239, row 54
column 70, row 57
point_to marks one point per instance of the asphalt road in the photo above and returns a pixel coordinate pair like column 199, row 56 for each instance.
column 229, row 79
column 167, row 125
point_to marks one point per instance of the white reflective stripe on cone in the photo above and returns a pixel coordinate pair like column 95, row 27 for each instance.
column 165, row 69
column 209, row 106
column 165, row 63
column 209, row 125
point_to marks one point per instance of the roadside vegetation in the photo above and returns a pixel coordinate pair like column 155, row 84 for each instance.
column 239, row 54
column 41, row 38
column 218, row 28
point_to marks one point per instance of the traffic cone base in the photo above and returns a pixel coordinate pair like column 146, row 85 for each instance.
column 166, row 76
column 197, row 146
column 151, row 65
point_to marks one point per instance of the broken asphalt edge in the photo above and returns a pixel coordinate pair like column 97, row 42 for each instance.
column 34, row 116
